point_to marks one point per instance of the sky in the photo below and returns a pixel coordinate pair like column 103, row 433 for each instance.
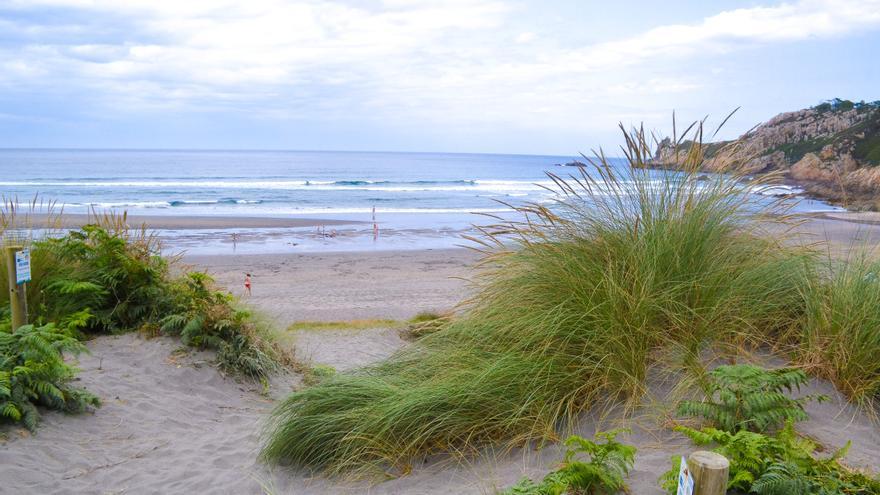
column 493, row 76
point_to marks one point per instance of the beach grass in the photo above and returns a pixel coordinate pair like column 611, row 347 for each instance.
column 839, row 338
column 629, row 271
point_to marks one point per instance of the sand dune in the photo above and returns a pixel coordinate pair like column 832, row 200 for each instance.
column 171, row 423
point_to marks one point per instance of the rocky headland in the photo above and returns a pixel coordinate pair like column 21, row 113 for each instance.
column 831, row 150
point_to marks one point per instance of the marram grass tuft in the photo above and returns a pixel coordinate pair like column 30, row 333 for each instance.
column 628, row 270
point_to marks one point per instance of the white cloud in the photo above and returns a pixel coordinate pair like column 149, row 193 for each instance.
column 444, row 60
column 730, row 29
column 525, row 37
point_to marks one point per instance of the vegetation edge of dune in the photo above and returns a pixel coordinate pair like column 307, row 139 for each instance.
column 628, row 273
column 108, row 278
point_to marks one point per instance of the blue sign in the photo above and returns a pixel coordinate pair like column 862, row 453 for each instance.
column 685, row 480
column 22, row 266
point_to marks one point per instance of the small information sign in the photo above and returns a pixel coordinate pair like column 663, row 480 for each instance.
column 22, row 266
column 685, row 480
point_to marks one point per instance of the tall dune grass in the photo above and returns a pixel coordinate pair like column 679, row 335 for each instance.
column 575, row 303
column 839, row 338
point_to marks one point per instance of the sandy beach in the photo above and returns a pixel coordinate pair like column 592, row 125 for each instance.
column 172, row 423
column 345, row 286
column 446, row 247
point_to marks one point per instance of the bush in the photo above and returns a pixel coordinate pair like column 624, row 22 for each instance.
column 630, row 270
column 746, row 397
column 119, row 279
column 781, row 464
column 609, row 463
column 106, row 277
column 315, row 374
column 206, row 318
column 33, row 373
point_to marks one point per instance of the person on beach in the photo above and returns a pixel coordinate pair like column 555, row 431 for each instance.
column 247, row 283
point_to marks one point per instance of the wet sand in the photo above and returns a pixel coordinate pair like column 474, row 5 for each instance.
column 168, row 222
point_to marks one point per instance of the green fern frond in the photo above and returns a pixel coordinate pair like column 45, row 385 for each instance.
column 9, row 410
column 749, row 397
column 782, row 479
column 609, row 463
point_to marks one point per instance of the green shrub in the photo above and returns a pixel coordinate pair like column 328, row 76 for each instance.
column 106, row 277
column 628, row 271
column 205, row 318
column 33, row 373
column 604, row 473
column 119, row 278
column 747, row 397
column 782, row 464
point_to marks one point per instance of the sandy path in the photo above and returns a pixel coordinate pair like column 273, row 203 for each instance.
column 346, row 349
column 174, row 425
column 164, row 427
column 346, row 286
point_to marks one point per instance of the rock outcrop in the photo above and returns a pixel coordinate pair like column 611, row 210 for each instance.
column 832, row 151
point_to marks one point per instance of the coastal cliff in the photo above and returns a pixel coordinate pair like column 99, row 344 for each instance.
column 832, row 151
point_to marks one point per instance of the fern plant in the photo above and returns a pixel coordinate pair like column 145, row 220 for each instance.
column 107, row 278
column 747, row 397
column 33, row 373
column 781, row 464
column 206, row 318
column 782, row 478
column 609, row 463
column 120, row 279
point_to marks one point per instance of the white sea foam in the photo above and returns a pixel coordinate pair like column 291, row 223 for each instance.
column 340, row 185
column 276, row 210
column 777, row 190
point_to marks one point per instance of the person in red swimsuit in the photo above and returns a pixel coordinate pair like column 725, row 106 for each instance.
column 247, row 283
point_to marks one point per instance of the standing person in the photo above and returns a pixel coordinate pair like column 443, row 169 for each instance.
column 247, row 283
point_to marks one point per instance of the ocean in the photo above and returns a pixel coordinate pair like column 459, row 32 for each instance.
column 274, row 183
column 423, row 199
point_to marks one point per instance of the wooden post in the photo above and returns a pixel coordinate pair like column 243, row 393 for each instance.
column 710, row 472
column 16, row 294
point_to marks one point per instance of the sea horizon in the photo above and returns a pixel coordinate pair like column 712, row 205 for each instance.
column 416, row 199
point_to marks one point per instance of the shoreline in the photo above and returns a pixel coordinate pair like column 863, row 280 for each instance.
column 204, row 222
column 195, row 222
column 861, row 217
column 192, row 235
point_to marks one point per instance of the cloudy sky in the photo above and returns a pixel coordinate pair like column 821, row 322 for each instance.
column 515, row 76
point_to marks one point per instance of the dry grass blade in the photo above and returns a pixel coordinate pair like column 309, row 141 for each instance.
column 20, row 221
